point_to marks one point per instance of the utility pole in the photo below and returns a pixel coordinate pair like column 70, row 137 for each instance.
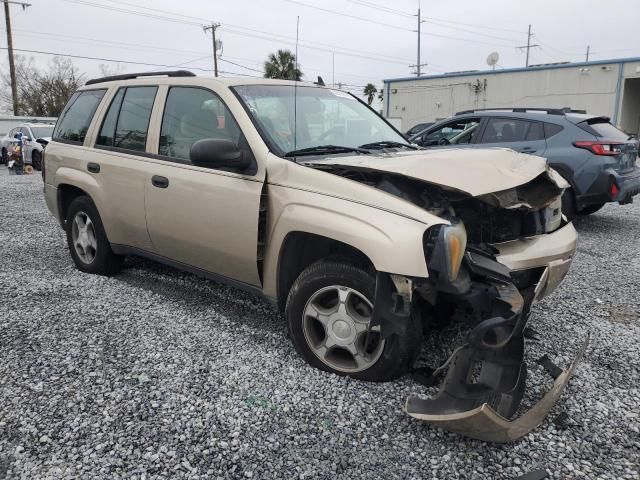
column 213, row 28
column 12, row 67
column 588, row 46
column 528, row 46
column 418, row 64
column 333, row 69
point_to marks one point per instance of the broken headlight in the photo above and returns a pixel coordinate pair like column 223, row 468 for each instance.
column 444, row 247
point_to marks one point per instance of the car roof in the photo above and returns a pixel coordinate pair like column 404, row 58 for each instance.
column 528, row 115
column 191, row 80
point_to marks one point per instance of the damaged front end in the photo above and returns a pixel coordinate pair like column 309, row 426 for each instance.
column 485, row 377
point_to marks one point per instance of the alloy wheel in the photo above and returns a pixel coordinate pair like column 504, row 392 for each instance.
column 84, row 237
column 336, row 325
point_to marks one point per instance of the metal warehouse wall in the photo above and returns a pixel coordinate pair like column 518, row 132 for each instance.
column 592, row 87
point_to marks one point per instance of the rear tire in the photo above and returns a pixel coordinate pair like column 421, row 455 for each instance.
column 589, row 209
column 569, row 204
column 328, row 310
column 87, row 241
column 36, row 160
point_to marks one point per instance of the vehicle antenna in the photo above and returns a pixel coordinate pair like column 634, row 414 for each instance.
column 295, row 94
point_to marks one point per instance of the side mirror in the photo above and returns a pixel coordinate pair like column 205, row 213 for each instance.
column 218, row 153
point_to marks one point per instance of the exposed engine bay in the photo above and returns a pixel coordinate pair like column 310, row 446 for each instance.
column 528, row 210
column 485, row 377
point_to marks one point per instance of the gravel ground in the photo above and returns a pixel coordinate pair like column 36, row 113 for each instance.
column 156, row 373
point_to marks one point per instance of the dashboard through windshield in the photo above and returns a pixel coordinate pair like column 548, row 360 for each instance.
column 322, row 116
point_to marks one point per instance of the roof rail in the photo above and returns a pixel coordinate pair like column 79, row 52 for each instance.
column 130, row 76
column 550, row 111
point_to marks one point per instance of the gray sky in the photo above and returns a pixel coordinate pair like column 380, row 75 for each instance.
column 371, row 39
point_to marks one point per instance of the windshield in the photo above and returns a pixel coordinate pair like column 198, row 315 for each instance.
column 42, row 132
column 324, row 117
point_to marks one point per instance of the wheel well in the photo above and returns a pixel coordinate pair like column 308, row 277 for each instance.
column 66, row 195
column 301, row 249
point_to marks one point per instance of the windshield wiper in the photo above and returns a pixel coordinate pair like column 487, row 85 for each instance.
column 388, row 144
column 324, row 149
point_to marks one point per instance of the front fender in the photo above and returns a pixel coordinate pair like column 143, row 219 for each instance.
column 392, row 242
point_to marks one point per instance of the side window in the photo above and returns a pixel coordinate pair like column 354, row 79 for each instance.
column 500, row 130
column 551, row 129
column 460, row 132
column 126, row 123
column 192, row 114
column 76, row 118
column 535, row 131
column 108, row 129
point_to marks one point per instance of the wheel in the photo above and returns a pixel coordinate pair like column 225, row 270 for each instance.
column 88, row 244
column 328, row 312
column 36, row 160
column 4, row 158
column 569, row 204
column 589, row 209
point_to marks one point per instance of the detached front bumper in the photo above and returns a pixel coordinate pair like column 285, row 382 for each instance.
column 486, row 376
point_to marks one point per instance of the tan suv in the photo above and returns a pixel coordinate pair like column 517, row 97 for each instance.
column 306, row 196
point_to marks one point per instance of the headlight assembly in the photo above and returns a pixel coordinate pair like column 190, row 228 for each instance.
column 444, row 247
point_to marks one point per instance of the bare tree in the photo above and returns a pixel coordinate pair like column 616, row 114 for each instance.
column 108, row 70
column 42, row 93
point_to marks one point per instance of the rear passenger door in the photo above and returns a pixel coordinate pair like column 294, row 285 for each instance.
column 120, row 162
column 526, row 136
column 202, row 217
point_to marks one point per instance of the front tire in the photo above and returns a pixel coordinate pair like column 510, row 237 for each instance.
column 88, row 243
column 328, row 312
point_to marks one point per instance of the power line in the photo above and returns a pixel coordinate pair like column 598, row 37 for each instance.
column 130, row 62
column 396, row 27
column 247, row 32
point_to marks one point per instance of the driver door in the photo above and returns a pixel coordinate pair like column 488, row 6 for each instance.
column 206, row 218
column 463, row 132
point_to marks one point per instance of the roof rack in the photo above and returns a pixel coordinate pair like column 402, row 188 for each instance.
column 130, row 76
column 550, row 111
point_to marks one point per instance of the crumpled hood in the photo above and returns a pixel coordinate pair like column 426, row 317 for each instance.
column 476, row 171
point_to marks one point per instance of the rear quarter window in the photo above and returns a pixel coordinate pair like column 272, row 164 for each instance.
column 552, row 129
column 603, row 130
column 76, row 117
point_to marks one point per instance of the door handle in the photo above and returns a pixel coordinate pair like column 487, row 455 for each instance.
column 160, row 182
column 93, row 167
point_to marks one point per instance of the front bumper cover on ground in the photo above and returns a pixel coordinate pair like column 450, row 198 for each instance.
column 486, row 378
column 484, row 423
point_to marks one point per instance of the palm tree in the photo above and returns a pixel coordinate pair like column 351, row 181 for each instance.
column 370, row 91
column 282, row 65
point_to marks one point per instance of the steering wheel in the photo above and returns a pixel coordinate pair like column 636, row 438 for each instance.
column 331, row 132
column 444, row 141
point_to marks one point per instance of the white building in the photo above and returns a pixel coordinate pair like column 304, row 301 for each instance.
column 603, row 87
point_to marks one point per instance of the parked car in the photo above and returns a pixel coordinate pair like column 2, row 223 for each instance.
column 362, row 239
column 418, row 128
column 35, row 137
column 597, row 159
